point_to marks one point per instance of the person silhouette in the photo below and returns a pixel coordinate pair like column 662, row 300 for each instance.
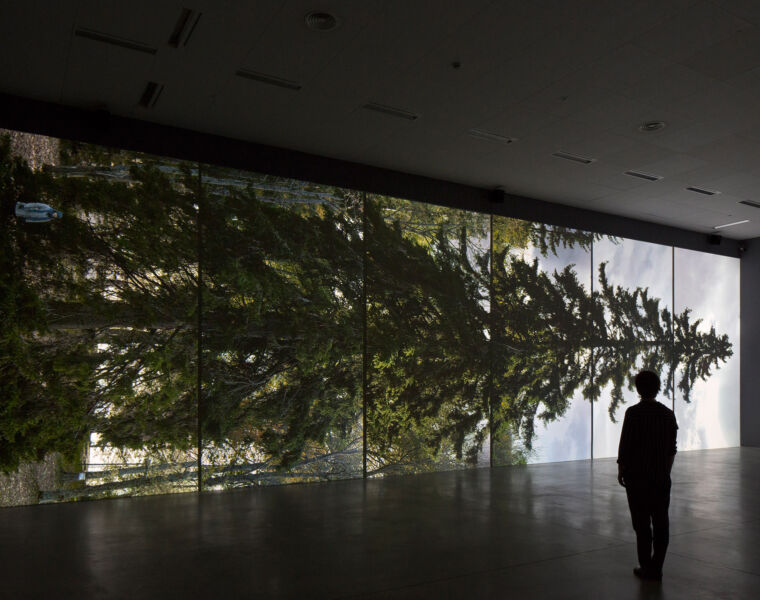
column 645, row 458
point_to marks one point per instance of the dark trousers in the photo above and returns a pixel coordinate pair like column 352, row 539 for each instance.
column 649, row 513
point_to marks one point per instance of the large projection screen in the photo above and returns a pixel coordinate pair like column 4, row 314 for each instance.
column 707, row 387
column 171, row 326
column 281, row 330
column 427, row 354
column 633, row 285
column 540, row 303
column 99, row 345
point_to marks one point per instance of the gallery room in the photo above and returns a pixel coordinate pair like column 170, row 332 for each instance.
column 351, row 299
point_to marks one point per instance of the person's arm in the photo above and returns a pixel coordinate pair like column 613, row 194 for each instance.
column 623, row 450
column 674, row 447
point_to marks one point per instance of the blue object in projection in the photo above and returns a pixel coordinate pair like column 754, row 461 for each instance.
column 36, row 212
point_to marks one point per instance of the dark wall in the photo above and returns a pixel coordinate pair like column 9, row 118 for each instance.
column 99, row 127
column 750, row 345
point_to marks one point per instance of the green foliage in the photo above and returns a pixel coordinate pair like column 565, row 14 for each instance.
column 281, row 322
column 101, row 309
column 427, row 347
column 98, row 331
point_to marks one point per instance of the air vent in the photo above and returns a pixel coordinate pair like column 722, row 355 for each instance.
column 646, row 176
column 391, row 111
column 183, row 30
column 702, row 191
column 490, row 137
column 574, row 157
column 731, row 224
column 151, row 94
column 750, row 203
column 269, row 79
column 106, row 38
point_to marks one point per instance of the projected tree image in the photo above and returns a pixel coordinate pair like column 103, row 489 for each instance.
column 282, row 330
column 427, row 348
column 98, row 337
column 335, row 327
column 553, row 338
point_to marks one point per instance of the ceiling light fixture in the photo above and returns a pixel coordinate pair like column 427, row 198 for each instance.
column 702, row 191
column 391, row 111
column 489, row 136
column 641, row 175
column 650, row 126
column 184, row 28
column 151, row 94
column 320, row 21
column 107, row 38
column 269, row 79
column 574, row 157
column 731, row 224
column 750, row 203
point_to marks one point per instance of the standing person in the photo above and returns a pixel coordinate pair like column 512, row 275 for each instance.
column 645, row 458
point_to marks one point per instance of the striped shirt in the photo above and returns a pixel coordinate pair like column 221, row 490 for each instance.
column 647, row 442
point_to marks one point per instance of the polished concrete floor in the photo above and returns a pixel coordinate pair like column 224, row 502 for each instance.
column 545, row 531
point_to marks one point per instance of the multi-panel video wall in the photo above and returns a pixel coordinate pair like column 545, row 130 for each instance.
column 169, row 326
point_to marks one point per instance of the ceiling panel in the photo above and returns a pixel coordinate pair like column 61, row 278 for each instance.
column 578, row 76
column 690, row 31
column 104, row 76
column 128, row 19
column 35, row 37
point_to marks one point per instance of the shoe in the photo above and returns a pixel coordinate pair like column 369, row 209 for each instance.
column 647, row 575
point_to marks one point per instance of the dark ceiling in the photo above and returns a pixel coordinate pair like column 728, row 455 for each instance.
column 496, row 88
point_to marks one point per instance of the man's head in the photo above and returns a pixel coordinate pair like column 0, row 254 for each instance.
column 647, row 384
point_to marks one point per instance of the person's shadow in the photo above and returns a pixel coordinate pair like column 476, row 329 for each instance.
column 651, row 590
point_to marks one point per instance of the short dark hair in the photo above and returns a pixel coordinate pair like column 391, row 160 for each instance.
column 647, row 384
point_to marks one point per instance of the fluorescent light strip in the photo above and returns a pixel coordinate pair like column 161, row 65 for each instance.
column 192, row 29
column 185, row 18
column 646, row 176
column 151, row 94
column 106, row 38
column 490, row 136
column 391, row 111
column 574, row 158
column 269, row 79
column 750, row 203
column 731, row 224
column 702, row 191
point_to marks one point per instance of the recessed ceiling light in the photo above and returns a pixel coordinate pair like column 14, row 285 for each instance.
column 641, row 175
column 731, row 224
column 490, row 136
column 650, row 126
column 391, row 111
column 702, row 191
column 320, row 21
column 151, row 94
column 107, row 38
column 574, row 157
column 269, row 79
column 184, row 28
column 750, row 203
